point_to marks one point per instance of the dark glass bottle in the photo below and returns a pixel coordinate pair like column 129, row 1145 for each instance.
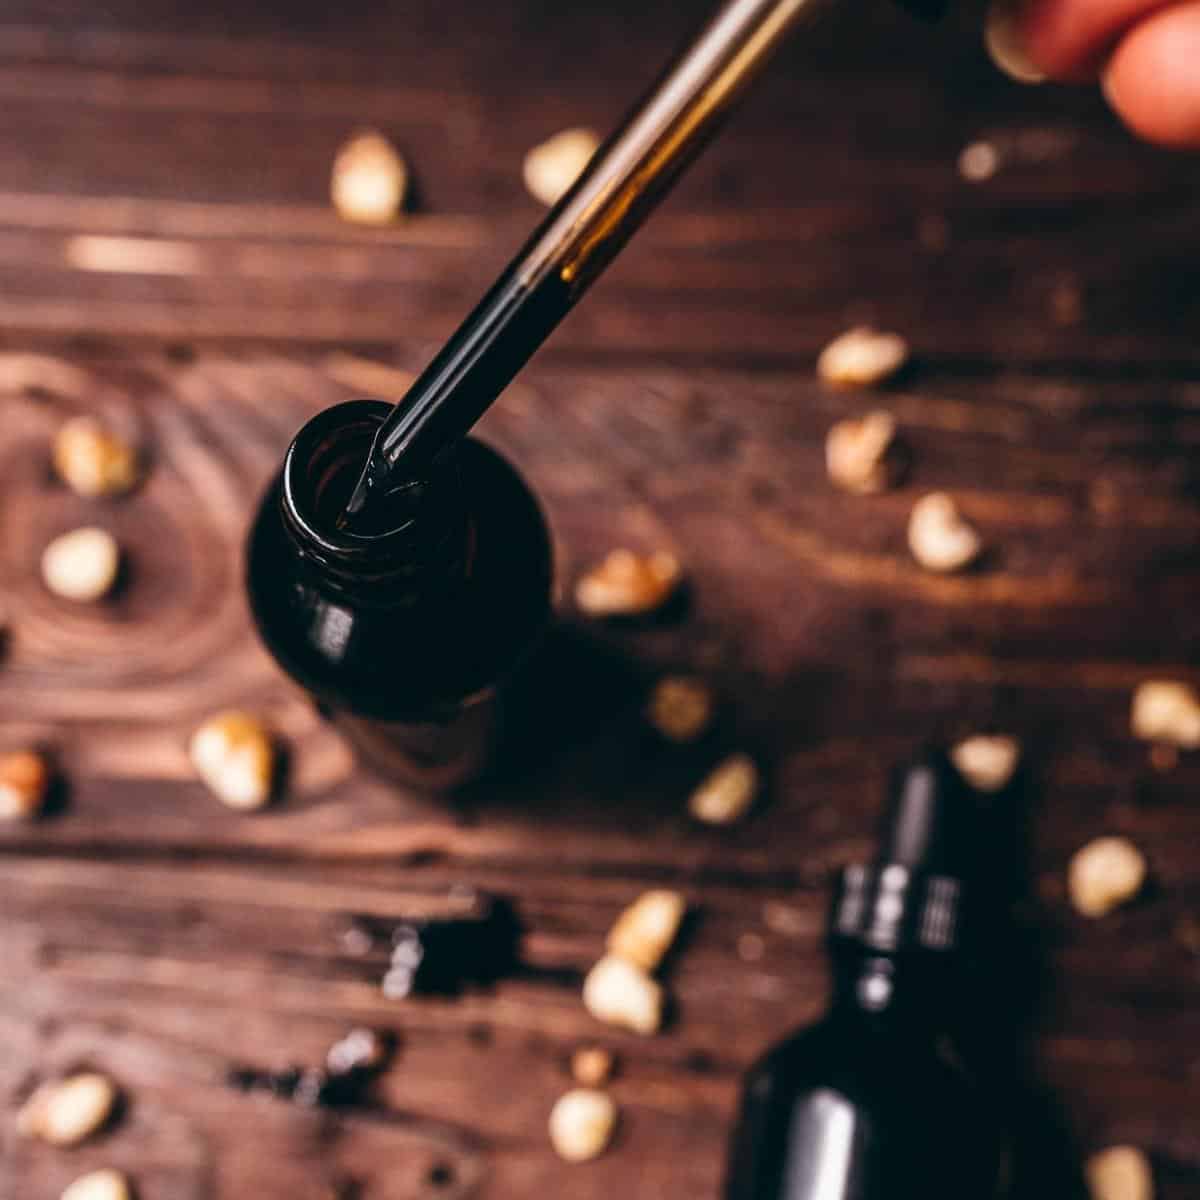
column 410, row 634
column 867, row 1104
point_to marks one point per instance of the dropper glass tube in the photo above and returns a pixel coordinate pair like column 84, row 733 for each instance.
column 582, row 234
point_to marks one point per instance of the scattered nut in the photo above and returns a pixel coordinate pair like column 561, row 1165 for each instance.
column 861, row 357
column 233, row 753
column 681, row 707
column 592, row 1065
column 933, row 232
column 938, row 536
column 987, row 761
column 645, row 930
column 582, row 1123
column 93, row 460
column 860, row 454
column 24, row 782
column 751, row 947
column 1163, row 758
column 369, row 179
column 619, row 993
column 626, row 584
column 978, row 161
column 1187, row 933
column 726, row 795
column 1168, row 712
column 1120, row 1173
column 105, row 1184
column 81, row 565
column 785, row 919
column 65, row 1111
column 1066, row 303
column 554, row 165
column 1104, row 874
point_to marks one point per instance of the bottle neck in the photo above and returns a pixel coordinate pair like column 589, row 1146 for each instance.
column 421, row 539
column 905, row 994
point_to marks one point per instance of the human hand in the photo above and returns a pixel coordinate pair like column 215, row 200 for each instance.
column 1146, row 54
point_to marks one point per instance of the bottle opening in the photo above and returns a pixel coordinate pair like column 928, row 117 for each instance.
column 322, row 468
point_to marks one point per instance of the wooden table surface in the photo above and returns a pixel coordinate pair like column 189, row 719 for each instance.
column 167, row 256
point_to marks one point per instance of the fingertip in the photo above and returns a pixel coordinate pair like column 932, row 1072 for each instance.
column 1061, row 36
column 1005, row 42
column 1152, row 80
column 1069, row 40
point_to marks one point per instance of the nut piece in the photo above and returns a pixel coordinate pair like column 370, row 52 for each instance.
column 626, row 584
column 727, row 793
column 551, row 167
column 582, row 1123
column 938, row 537
column 65, row 1111
column 859, row 454
column 93, row 460
column 233, row 753
column 987, row 761
column 1119, row 1173
column 978, row 161
column 645, row 930
column 24, row 782
column 105, row 1184
column 1163, row 758
column 1104, row 874
column 1167, row 712
column 751, row 947
column 681, row 707
column 369, row 179
column 862, row 357
column 81, row 565
column 619, row 993
column 592, row 1065
column 785, row 919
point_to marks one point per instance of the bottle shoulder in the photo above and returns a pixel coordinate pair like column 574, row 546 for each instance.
column 864, row 1066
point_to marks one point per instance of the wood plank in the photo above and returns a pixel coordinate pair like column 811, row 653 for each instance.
column 119, row 267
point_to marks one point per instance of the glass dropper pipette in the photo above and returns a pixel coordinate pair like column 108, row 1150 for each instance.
column 580, row 236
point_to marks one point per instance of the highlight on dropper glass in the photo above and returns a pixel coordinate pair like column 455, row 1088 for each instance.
column 352, row 510
column 373, row 509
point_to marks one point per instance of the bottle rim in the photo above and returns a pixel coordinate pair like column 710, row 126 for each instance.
column 337, row 433
column 434, row 535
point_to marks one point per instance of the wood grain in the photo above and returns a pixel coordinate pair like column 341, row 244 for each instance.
column 168, row 259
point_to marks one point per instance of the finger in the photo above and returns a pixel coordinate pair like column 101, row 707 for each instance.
column 1064, row 39
column 1153, row 77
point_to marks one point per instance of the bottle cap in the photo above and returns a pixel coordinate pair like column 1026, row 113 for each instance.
column 910, row 897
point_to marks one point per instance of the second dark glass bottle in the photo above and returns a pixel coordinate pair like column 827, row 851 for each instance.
column 866, row 1105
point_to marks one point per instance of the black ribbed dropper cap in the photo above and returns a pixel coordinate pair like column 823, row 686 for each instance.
column 909, row 898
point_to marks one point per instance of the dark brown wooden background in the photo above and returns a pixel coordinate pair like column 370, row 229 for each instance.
column 167, row 255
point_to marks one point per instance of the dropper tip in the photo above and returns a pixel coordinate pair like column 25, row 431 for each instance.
column 356, row 503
